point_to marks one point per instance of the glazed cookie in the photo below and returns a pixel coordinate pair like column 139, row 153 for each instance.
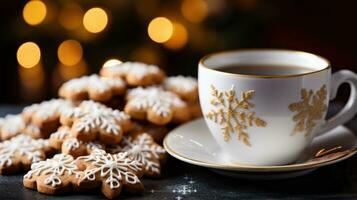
column 63, row 140
column 195, row 110
column 156, row 131
column 156, row 105
column 53, row 176
column 10, row 126
column 110, row 172
column 20, row 152
column 185, row 87
column 135, row 73
column 93, row 120
column 92, row 87
column 143, row 149
column 43, row 118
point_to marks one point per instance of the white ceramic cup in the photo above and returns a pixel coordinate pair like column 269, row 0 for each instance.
column 270, row 119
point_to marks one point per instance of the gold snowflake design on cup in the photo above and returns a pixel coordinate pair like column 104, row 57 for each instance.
column 310, row 109
column 234, row 115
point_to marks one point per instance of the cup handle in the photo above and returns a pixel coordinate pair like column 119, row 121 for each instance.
column 350, row 109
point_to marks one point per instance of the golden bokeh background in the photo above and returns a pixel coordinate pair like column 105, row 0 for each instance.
column 46, row 42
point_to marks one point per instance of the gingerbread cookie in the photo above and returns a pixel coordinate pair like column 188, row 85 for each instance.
column 93, row 120
column 43, row 118
column 135, row 73
column 10, row 126
column 143, row 148
column 92, row 87
column 53, row 176
column 110, row 172
column 156, row 105
column 185, row 87
column 20, row 152
column 63, row 140
column 156, row 131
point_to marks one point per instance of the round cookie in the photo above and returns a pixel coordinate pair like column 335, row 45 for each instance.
column 92, row 87
column 156, row 105
column 91, row 120
column 135, row 73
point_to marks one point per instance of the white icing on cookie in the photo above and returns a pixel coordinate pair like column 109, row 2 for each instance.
column 77, row 85
column 93, row 82
column 11, row 125
column 47, row 109
column 21, row 145
column 144, row 150
column 93, row 116
column 53, row 169
column 61, row 134
column 91, row 146
column 114, row 168
column 137, row 69
column 33, row 130
column 155, row 98
column 181, row 83
column 72, row 143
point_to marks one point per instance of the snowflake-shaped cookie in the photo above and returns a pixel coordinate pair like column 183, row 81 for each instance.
column 52, row 176
column 135, row 73
column 93, row 120
column 63, row 140
column 156, row 105
column 185, row 87
column 93, row 87
column 44, row 117
column 111, row 171
column 143, row 148
column 20, row 152
column 10, row 126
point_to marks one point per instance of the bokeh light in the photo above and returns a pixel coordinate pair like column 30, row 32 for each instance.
column 28, row 54
column 69, row 72
column 95, row 20
column 70, row 17
column 147, row 54
column 111, row 62
column 32, row 82
column 70, row 52
column 178, row 38
column 194, row 10
column 160, row 29
column 34, row 12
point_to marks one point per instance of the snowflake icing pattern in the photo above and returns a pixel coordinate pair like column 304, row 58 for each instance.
column 24, row 146
column 146, row 151
column 232, row 114
column 93, row 116
column 309, row 110
column 154, row 98
column 114, row 169
column 54, row 169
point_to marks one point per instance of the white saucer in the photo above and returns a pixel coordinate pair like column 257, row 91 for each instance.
column 193, row 143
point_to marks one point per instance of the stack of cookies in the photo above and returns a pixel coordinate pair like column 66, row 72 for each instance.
column 105, row 131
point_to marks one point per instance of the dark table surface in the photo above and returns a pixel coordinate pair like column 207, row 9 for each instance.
column 184, row 181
